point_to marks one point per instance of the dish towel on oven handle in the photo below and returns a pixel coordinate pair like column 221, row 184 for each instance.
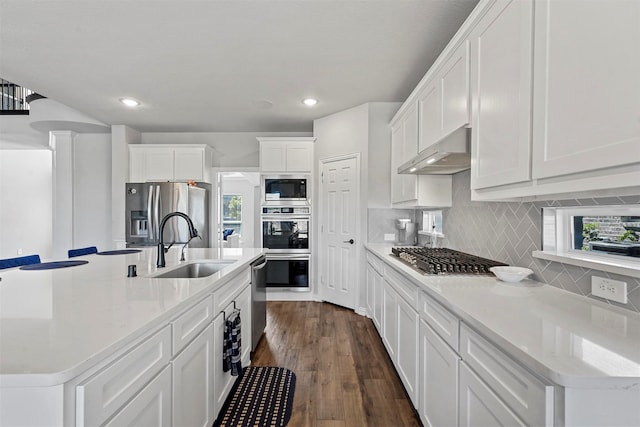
column 232, row 344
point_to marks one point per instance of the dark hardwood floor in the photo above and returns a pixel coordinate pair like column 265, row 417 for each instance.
column 344, row 376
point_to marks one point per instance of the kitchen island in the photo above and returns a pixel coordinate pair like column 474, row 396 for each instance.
column 84, row 344
column 525, row 353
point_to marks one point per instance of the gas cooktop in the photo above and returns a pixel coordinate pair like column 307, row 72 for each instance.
column 444, row 261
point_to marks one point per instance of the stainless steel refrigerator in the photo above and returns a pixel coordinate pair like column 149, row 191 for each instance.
column 147, row 203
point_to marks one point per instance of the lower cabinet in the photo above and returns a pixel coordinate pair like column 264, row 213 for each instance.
column 438, row 392
column 408, row 348
column 390, row 320
column 193, row 376
column 151, row 407
column 480, row 406
column 374, row 296
column 223, row 381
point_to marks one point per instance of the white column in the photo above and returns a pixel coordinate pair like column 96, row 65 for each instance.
column 61, row 143
column 121, row 137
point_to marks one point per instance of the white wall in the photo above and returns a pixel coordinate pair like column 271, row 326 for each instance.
column 363, row 129
column 230, row 149
column 25, row 203
column 250, row 217
column 92, row 191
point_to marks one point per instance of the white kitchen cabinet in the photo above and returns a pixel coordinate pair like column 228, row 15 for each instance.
column 286, row 155
column 390, row 320
column 438, row 392
column 444, row 101
column 408, row 347
column 159, row 162
column 501, row 57
column 223, row 381
column 480, row 406
column 374, row 290
column 193, row 376
column 102, row 395
column 586, row 88
column 150, row 408
column 411, row 190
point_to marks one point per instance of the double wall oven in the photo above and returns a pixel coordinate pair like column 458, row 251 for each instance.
column 286, row 236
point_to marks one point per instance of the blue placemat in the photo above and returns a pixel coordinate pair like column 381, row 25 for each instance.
column 53, row 265
column 120, row 252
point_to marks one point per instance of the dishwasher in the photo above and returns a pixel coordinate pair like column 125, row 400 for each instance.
column 258, row 301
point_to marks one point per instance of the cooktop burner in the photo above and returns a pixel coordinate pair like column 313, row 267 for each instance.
column 444, row 261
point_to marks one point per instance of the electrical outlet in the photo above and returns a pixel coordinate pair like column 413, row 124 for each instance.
column 613, row 290
column 389, row 237
column 19, row 251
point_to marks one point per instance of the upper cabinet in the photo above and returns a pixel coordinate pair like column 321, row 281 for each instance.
column 160, row 162
column 586, row 86
column 444, row 101
column 286, row 154
column 556, row 97
column 502, row 51
column 413, row 190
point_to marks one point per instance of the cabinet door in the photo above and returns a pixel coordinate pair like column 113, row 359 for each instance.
column 150, row 408
column 397, row 141
column 587, row 91
column 501, row 54
column 455, row 90
column 193, row 403
column 389, row 320
column 410, row 134
column 430, row 110
column 407, row 352
column 137, row 165
column 438, row 380
column 222, row 381
column 479, row 406
column 273, row 156
column 371, row 281
column 188, row 164
column 159, row 164
column 299, row 157
column 243, row 302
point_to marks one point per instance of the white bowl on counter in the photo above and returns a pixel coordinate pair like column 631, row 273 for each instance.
column 511, row 274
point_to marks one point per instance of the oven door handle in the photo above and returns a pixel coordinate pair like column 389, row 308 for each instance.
column 285, row 218
column 289, row 257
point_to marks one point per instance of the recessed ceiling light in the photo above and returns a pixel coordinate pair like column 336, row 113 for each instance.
column 129, row 102
column 309, row 102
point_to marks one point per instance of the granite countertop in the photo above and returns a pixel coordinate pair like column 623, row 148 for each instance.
column 54, row 324
column 571, row 340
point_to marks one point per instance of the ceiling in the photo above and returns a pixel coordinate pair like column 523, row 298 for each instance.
column 222, row 66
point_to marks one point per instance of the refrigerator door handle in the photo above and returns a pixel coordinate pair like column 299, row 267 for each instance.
column 156, row 213
column 151, row 225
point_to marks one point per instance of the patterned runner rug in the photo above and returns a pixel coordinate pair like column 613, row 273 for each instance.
column 262, row 396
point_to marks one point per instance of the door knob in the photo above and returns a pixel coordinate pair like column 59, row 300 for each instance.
column 350, row 241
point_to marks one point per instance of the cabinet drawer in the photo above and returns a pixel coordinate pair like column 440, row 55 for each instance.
column 100, row 396
column 190, row 323
column 404, row 287
column 375, row 262
column 527, row 396
column 225, row 295
column 440, row 319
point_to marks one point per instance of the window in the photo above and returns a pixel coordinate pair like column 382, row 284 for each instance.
column 232, row 213
column 602, row 237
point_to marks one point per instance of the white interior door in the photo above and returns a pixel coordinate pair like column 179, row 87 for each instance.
column 339, row 231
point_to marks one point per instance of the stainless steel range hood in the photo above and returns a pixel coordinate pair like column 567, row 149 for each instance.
column 449, row 156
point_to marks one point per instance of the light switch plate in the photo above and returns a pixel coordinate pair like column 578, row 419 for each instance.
column 610, row 289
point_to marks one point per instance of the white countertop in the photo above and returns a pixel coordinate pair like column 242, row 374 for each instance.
column 572, row 340
column 54, row 324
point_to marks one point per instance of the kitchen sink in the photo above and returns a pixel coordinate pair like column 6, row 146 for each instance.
column 195, row 270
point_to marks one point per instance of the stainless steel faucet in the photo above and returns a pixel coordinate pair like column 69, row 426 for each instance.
column 161, row 249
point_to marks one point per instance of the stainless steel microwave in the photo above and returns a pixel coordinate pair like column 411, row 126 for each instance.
column 285, row 190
